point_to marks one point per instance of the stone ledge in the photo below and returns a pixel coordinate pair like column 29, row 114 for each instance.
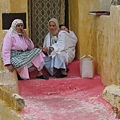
column 8, row 113
column 12, row 100
column 112, row 95
column 9, row 80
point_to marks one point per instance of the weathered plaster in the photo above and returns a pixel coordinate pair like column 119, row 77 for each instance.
column 112, row 95
column 6, row 113
column 105, row 5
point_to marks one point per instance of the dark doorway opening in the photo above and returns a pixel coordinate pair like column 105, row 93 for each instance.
column 40, row 12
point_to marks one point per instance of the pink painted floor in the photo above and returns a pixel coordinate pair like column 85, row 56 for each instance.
column 71, row 98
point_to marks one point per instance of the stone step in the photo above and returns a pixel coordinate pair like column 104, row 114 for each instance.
column 55, row 85
column 73, row 66
column 112, row 95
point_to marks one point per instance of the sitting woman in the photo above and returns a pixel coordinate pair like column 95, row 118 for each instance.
column 18, row 52
column 61, row 51
column 50, row 39
column 63, row 27
column 64, row 49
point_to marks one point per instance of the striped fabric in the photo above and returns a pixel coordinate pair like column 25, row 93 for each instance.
column 22, row 58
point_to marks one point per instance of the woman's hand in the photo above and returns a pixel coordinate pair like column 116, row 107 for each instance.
column 45, row 49
column 24, row 34
column 51, row 49
column 10, row 67
column 41, row 47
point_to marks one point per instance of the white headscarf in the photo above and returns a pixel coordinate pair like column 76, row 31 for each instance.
column 12, row 29
column 57, row 25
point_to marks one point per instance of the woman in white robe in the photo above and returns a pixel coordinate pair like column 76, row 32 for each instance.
column 63, row 49
column 50, row 39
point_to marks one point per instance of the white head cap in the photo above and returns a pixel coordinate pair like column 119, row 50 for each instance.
column 12, row 29
column 56, row 22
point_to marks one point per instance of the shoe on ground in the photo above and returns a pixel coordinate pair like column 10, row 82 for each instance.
column 42, row 77
column 19, row 78
column 67, row 70
column 61, row 75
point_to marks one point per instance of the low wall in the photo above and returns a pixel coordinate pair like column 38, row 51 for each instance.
column 9, row 80
column 7, row 113
column 108, row 41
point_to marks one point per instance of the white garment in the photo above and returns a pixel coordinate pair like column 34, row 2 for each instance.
column 12, row 29
column 65, row 46
column 48, row 42
column 52, row 65
column 64, row 51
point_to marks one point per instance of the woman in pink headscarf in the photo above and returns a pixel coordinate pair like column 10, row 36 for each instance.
column 19, row 54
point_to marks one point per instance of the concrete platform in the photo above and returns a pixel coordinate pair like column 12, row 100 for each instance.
column 71, row 98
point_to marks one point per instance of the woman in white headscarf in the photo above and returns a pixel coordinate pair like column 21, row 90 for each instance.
column 58, row 61
column 51, row 37
column 18, row 52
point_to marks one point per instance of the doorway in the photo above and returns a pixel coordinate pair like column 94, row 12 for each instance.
column 40, row 12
